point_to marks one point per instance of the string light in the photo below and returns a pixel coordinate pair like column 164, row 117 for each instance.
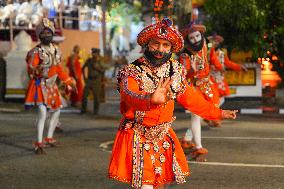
column 170, row 7
column 157, row 8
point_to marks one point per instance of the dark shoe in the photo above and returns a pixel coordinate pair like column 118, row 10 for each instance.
column 83, row 112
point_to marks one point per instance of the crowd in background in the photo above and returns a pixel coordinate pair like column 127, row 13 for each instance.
column 28, row 13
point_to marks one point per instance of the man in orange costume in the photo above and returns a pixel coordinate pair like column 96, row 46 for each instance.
column 146, row 151
column 194, row 59
column 218, row 75
column 75, row 71
column 43, row 65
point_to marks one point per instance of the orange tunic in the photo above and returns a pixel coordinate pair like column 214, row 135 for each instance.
column 217, row 74
column 198, row 70
column 75, row 71
column 146, row 150
column 43, row 71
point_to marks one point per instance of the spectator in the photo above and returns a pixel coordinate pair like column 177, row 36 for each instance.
column 94, row 80
column 74, row 66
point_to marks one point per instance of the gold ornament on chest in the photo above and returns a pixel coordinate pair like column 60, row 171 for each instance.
column 198, row 63
column 150, row 77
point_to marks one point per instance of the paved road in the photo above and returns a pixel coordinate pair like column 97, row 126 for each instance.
column 243, row 154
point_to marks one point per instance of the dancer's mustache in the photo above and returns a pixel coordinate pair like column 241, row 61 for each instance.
column 157, row 52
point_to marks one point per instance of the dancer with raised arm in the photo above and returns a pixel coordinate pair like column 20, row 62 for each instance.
column 146, row 150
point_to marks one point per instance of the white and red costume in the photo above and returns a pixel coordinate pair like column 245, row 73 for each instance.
column 198, row 74
column 43, row 65
column 217, row 74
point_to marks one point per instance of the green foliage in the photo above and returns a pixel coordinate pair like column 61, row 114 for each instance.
column 124, row 9
column 255, row 25
column 239, row 21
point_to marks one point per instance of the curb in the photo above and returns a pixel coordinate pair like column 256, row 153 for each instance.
column 261, row 111
column 10, row 110
column 248, row 111
column 251, row 111
column 70, row 111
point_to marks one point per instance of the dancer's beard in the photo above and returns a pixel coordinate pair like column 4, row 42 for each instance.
column 219, row 46
column 194, row 46
column 156, row 62
column 46, row 40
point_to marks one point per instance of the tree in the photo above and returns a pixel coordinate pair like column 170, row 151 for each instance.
column 179, row 11
column 251, row 25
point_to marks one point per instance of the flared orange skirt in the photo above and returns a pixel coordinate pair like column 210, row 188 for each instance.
column 134, row 159
column 38, row 94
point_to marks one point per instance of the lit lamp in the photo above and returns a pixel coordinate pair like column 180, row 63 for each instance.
column 269, row 77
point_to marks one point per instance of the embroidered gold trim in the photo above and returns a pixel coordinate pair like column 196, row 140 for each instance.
column 153, row 134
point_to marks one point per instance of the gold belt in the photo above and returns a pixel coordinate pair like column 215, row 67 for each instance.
column 152, row 134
